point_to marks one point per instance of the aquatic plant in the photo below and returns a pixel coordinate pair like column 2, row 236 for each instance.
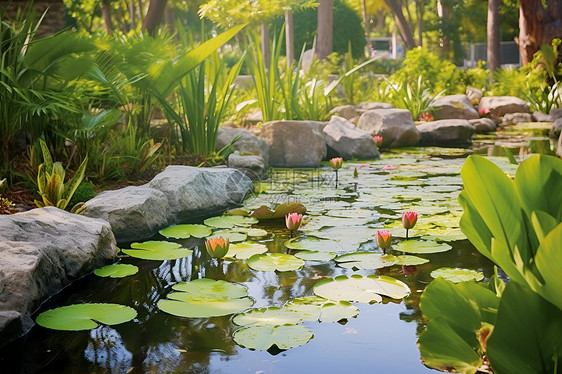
column 409, row 220
column 336, row 164
column 293, row 222
column 383, row 237
column 378, row 139
column 217, row 247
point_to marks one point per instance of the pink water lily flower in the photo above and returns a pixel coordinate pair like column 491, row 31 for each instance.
column 426, row 117
column 336, row 163
column 483, row 112
column 383, row 238
column 409, row 220
column 378, row 140
column 293, row 221
column 389, row 167
column 217, row 247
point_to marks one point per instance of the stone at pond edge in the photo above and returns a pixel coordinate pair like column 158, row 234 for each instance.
column 454, row 107
column 556, row 128
column 501, row 105
column 559, row 149
column 511, row 119
column 42, row 251
column 347, row 141
column 252, row 165
column 446, row 132
column 483, row 125
column 248, row 143
column 294, row 143
column 394, row 125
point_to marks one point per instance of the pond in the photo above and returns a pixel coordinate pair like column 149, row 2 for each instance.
column 380, row 337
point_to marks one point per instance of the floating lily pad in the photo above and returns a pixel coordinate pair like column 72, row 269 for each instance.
column 361, row 289
column 186, row 231
column 312, row 243
column 263, row 337
column 268, row 316
column 206, row 298
column 457, row 275
column 407, row 260
column 264, row 213
column 232, row 235
column 275, row 261
column 243, row 251
column 254, row 233
column 157, row 250
column 116, row 270
column 227, row 222
column 421, row 246
column 85, row 316
column 365, row 260
column 314, row 308
column 315, row 255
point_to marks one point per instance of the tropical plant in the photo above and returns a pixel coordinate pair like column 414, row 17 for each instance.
column 414, row 97
column 518, row 225
column 50, row 181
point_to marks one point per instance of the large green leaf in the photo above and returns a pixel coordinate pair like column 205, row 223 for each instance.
column 457, row 275
column 227, row 222
column 408, row 260
column 186, row 231
column 312, row 243
column 526, row 336
column 116, row 270
column 548, row 262
column 361, row 289
column 314, row 308
column 268, row 316
column 243, row 251
column 85, row 316
column 157, row 250
column 421, row 246
column 365, row 260
column 263, row 337
column 315, row 255
column 206, row 298
column 275, row 262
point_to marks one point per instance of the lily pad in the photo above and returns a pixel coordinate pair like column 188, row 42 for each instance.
column 312, row 243
column 186, row 231
column 275, row 261
column 227, row 222
column 421, row 246
column 457, row 275
column 268, row 316
column 157, row 250
column 408, row 260
column 365, row 260
column 85, row 316
column 314, row 308
column 361, row 289
column 205, row 297
column 254, row 233
column 243, row 251
column 116, row 270
column 264, row 213
column 315, row 255
column 232, row 235
column 263, row 337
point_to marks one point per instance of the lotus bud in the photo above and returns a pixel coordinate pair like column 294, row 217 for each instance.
column 378, row 140
column 293, row 221
column 383, row 238
column 409, row 220
column 217, row 247
column 336, row 163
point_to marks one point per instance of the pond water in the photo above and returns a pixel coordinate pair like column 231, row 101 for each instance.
column 380, row 339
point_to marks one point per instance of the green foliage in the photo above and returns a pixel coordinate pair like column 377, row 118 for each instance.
column 85, row 316
column 84, row 192
column 413, row 96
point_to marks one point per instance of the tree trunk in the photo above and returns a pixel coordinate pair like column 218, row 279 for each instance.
column 154, row 15
column 106, row 14
column 265, row 45
column 537, row 26
column 366, row 26
column 289, row 37
column 443, row 14
column 419, row 15
column 493, row 48
column 132, row 14
column 403, row 26
column 325, row 28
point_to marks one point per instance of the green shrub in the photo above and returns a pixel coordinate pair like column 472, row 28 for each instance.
column 84, row 192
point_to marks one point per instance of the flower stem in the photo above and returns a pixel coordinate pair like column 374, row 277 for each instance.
column 336, row 179
column 406, row 234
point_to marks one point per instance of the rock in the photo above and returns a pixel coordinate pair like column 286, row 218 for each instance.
column 253, row 118
column 42, row 251
column 559, row 147
column 348, row 141
column 195, row 193
column 345, row 111
column 541, row 117
column 371, row 105
column 474, row 95
column 555, row 114
column 294, row 143
column 454, row 107
column 394, row 125
column 134, row 212
column 248, row 143
column 511, row 119
column 447, row 132
column 499, row 106
column 556, row 128
column 482, row 125
column 251, row 165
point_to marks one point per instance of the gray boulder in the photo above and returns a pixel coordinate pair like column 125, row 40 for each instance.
column 556, row 128
column 371, row 105
column 294, row 143
column 447, row 132
column 511, row 119
column 348, row 142
column 474, row 95
column 499, row 106
column 134, row 212
column 482, row 125
column 251, row 165
column 454, row 107
column 42, row 251
column 555, row 114
column 345, row 111
column 541, row 117
column 559, row 147
column 247, row 142
column 394, row 125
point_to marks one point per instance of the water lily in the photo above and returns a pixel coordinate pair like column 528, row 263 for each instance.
column 426, row 117
column 383, row 238
column 217, row 247
column 483, row 112
column 293, row 221
column 389, row 167
column 378, row 140
column 336, row 164
column 409, row 220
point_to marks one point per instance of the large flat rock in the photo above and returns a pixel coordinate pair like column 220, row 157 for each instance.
column 447, row 132
column 394, row 125
column 348, row 141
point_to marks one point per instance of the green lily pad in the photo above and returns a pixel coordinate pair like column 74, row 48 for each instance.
column 315, row 255
column 314, row 308
column 85, row 316
column 457, row 275
column 275, row 261
column 243, row 251
column 361, row 289
column 254, row 233
column 157, row 250
column 421, row 246
column 268, row 316
column 227, row 222
column 407, row 260
column 264, row 213
column 186, row 231
column 116, row 270
column 312, row 243
column 205, row 297
column 232, row 235
column 365, row 260
column 263, row 337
